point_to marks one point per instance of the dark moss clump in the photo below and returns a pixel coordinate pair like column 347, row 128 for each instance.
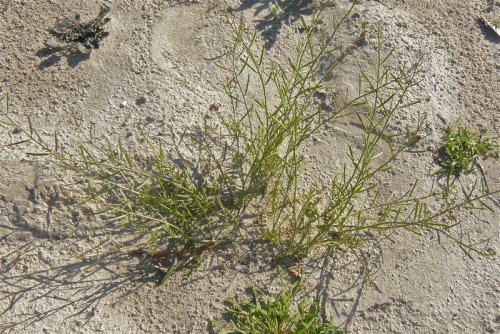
column 83, row 36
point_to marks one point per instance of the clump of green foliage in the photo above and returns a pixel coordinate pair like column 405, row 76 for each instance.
column 276, row 315
column 462, row 147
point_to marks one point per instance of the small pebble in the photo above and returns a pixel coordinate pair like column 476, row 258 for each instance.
column 215, row 106
column 123, row 104
column 140, row 101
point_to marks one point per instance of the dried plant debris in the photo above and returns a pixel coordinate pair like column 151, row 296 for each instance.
column 493, row 24
column 82, row 36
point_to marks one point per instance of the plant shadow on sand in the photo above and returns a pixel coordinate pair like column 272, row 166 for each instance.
column 270, row 27
column 51, row 57
column 90, row 279
column 358, row 267
column 90, row 282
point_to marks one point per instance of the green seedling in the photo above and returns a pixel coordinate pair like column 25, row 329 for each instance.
column 275, row 9
column 462, row 148
column 362, row 39
column 279, row 314
column 494, row 20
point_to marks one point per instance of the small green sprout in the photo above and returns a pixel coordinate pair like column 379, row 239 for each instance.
column 461, row 149
column 495, row 21
column 275, row 315
column 275, row 9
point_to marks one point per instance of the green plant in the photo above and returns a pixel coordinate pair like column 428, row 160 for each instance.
column 495, row 21
column 276, row 315
column 252, row 159
column 270, row 128
column 461, row 149
column 183, row 216
column 264, row 134
column 274, row 9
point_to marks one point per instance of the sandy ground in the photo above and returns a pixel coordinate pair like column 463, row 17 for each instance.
column 157, row 58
